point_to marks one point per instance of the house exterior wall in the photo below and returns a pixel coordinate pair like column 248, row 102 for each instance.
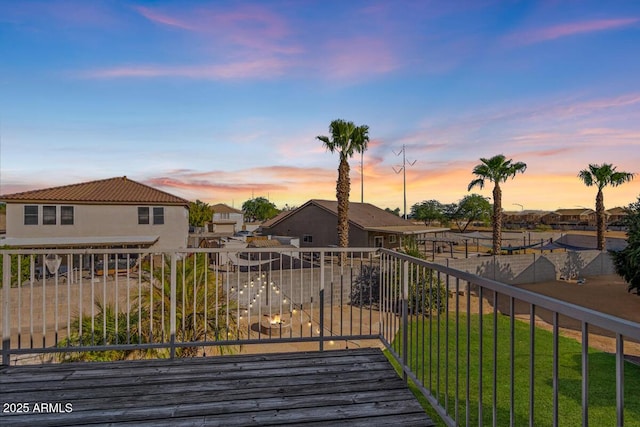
column 103, row 221
column 237, row 218
column 320, row 225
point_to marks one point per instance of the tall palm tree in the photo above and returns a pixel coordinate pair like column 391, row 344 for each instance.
column 497, row 169
column 601, row 176
column 346, row 139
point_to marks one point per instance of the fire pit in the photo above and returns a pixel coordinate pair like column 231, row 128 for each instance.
column 273, row 324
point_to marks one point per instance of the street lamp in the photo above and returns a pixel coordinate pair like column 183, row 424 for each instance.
column 518, row 204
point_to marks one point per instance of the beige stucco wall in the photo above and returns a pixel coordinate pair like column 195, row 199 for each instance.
column 102, row 221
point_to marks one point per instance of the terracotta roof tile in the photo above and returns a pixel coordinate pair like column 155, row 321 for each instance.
column 364, row 215
column 222, row 208
column 120, row 190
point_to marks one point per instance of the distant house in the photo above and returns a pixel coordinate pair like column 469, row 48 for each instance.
column 570, row 217
column 615, row 216
column 315, row 224
column 226, row 218
column 115, row 212
column 523, row 218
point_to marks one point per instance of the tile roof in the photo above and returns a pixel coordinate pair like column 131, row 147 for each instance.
column 116, row 191
column 222, row 208
column 363, row 215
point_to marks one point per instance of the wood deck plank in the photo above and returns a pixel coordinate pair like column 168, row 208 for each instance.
column 354, row 387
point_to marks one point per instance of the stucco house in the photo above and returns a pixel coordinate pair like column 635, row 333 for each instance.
column 227, row 218
column 315, row 224
column 570, row 217
column 114, row 212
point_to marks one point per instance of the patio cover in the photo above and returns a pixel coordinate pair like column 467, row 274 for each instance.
column 78, row 242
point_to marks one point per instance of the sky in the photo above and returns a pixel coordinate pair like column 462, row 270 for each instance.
column 222, row 101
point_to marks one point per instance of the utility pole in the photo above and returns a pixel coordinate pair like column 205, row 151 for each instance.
column 403, row 169
column 362, row 176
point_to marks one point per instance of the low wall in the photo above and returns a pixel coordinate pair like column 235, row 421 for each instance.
column 534, row 268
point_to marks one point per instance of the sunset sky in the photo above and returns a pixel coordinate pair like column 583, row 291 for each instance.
column 222, row 100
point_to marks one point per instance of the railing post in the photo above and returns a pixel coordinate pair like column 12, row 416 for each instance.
column 321, row 300
column 6, row 327
column 405, row 318
column 620, row 379
column 172, row 314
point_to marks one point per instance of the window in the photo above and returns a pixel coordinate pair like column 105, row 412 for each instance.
column 158, row 215
column 49, row 215
column 392, row 238
column 143, row 215
column 31, row 215
column 66, row 215
column 307, row 238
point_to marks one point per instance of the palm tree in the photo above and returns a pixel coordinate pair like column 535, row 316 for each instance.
column 497, row 169
column 346, row 139
column 601, row 176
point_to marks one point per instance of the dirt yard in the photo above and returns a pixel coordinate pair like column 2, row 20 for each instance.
column 607, row 294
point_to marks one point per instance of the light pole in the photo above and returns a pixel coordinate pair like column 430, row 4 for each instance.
column 403, row 169
column 518, row 204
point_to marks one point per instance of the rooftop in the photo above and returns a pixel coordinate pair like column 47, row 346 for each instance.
column 119, row 190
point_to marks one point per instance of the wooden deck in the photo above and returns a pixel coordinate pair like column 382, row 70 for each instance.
column 345, row 387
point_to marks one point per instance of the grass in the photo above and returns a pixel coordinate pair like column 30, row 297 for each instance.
column 602, row 371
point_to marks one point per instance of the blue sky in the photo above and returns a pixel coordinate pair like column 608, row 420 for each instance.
column 222, row 101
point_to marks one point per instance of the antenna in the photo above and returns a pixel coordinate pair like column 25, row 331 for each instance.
column 403, row 169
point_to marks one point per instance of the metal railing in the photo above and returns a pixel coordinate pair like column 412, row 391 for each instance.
column 471, row 344
column 468, row 344
column 73, row 303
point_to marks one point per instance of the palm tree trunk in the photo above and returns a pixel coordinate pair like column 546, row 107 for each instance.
column 342, row 195
column 497, row 219
column 600, row 218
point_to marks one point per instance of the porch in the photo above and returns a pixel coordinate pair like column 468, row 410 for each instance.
column 471, row 346
column 346, row 387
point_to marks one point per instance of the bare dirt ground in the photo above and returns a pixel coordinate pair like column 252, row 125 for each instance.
column 607, row 294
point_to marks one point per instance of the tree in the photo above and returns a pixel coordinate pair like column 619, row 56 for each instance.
column 395, row 211
column 428, row 211
column 199, row 213
column 471, row 208
column 259, row 209
column 601, row 176
column 497, row 169
column 203, row 311
column 627, row 261
column 346, row 139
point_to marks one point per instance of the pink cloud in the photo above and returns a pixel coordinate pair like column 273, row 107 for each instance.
column 359, row 56
column 248, row 26
column 563, row 30
column 257, row 68
column 159, row 18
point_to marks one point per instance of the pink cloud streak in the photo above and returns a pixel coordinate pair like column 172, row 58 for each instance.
column 569, row 29
column 257, row 68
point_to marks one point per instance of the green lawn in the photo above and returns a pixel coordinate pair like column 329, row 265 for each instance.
column 602, row 397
